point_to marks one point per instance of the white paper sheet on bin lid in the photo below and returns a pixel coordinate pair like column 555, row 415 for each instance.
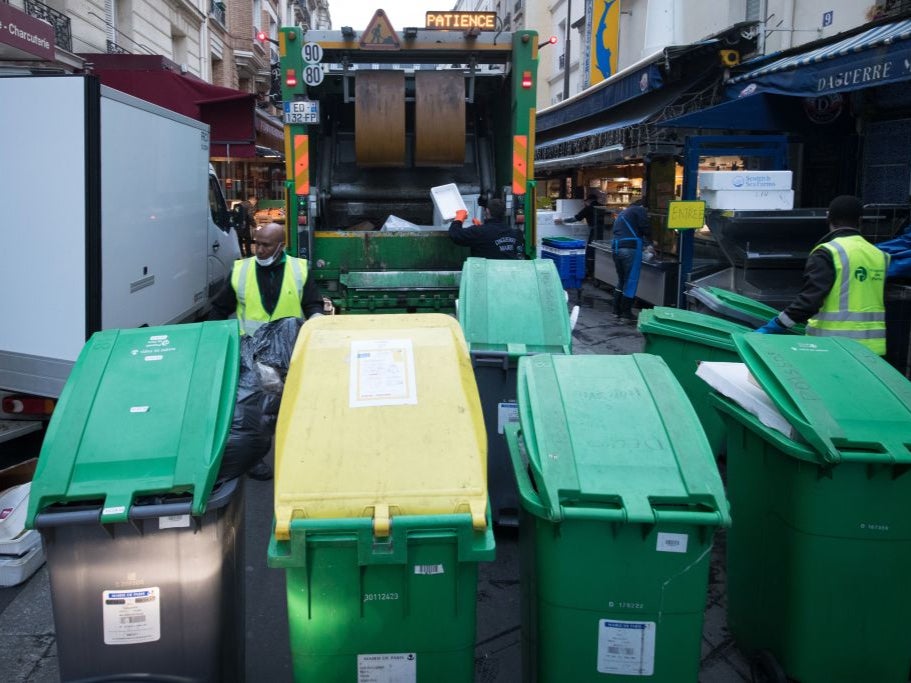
column 13, row 508
column 448, row 200
column 733, row 381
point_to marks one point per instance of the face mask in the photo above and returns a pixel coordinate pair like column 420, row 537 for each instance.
column 272, row 259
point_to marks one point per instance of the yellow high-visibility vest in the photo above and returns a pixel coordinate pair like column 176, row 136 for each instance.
column 854, row 308
column 251, row 314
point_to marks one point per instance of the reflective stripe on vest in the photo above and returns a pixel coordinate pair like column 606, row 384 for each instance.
column 854, row 307
column 251, row 314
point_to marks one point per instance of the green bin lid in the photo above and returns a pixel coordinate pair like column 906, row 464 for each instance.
column 514, row 307
column 690, row 326
column 616, row 435
column 846, row 402
column 737, row 306
column 145, row 411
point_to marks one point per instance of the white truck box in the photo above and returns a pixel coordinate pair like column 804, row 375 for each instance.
column 745, row 180
column 748, row 200
column 108, row 222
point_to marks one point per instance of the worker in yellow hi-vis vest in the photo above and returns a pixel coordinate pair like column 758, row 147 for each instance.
column 843, row 287
column 268, row 286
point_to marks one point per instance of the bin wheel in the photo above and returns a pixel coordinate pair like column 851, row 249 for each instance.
column 764, row 668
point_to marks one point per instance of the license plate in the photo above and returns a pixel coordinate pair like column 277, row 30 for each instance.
column 301, row 112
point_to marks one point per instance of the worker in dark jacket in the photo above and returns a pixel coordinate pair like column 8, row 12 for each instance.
column 843, row 284
column 491, row 239
column 586, row 213
column 631, row 234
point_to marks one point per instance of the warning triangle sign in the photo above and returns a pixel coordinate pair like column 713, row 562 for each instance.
column 379, row 34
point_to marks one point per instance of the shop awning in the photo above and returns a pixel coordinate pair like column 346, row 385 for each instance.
column 230, row 113
column 761, row 112
column 604, row 143
column 877, row 56
column 617, row 89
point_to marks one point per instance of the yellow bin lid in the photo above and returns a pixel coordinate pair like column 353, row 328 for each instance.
column 380, row 416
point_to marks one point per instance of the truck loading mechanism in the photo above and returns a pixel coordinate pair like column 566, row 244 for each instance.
column 392, row 115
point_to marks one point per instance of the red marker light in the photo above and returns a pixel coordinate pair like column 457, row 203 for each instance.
column 553, row 40
column 261, row 36
column 290, row 78
column 526, row 79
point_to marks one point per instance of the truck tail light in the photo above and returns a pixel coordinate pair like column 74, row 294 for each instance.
column 526, row 79
column 290, row 78
column 23, row 404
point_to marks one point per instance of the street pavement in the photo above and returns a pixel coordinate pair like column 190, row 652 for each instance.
column 28, row 643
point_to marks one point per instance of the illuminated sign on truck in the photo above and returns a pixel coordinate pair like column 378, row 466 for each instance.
column 484, row 21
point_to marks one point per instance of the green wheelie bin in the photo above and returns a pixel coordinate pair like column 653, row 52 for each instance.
column 820, row 548
column 381, row 511
column 735, row 307
column 620, row 500
column 144, row 545
column 508, row 309
column 684, row 339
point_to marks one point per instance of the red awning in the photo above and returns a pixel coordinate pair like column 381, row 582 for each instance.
column 156, row 79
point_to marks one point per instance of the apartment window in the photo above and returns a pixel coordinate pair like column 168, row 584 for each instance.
column 257, row 15
column 110, row 20
column 754, row 10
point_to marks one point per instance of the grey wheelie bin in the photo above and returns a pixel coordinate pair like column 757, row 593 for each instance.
column 508, row 309
column 620, row 500
column 819, row 551
column 144, row 545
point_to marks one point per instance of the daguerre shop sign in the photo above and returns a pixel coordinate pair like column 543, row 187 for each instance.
column 861, row 76
column 838, row 68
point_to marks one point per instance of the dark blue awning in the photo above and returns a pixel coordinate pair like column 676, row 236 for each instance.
column 601, row 97
column 755, row 113
column 877, row 56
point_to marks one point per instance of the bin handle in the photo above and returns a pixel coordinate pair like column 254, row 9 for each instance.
column 595, row 514
column 530, row 498
column 714, row 518
column 490, row 358
column 69, row 518
column 220, row 494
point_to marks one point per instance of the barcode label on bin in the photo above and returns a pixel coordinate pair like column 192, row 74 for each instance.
column 507, row 413
column 626, row 648
column 399, row 667
column 131, row 616
column 174, row 522
column 429, row 569
column 672, row 543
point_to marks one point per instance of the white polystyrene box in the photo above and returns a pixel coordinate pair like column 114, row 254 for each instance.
column 745, row 180
column 569, row 207
column 740, row 200
column 546, row 217
column 13, row 508
column 447, row 200
column 16, row 569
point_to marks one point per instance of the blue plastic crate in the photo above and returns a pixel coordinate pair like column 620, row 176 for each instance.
column 564, row 242
column 570, row 264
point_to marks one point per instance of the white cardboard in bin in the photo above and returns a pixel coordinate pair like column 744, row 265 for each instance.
column 447, row 200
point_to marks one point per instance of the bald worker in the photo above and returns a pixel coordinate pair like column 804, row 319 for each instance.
column 267, row 286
